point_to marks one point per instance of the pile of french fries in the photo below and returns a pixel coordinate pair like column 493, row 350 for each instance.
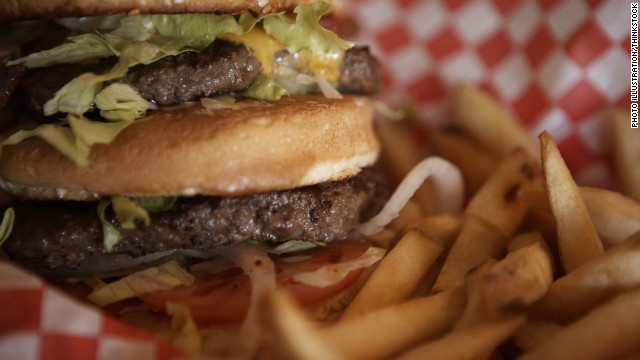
column 535, row 267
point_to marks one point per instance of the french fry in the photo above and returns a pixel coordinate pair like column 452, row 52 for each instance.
column 476, row 342
column 578, row 240
column 584, row 288
column 390, row 330
column 399, row 156
column 385, row 238
column 615, row 216
column 293, row 336
column 492, row 215
column 608, row 332
column 533, row 333
column 397, row 274
column 627, row 152
column 477, row 243
column 498, row 289
column 531, row 238
column 497, row 202
column 444, row 227
column 490, row 123
column 410, row 213
column 475, row 162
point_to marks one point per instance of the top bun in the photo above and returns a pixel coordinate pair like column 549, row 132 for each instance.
column 188, row 150
column 38, row 9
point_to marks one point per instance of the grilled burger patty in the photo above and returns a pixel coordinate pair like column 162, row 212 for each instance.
column 64, row 233
column 220, row 68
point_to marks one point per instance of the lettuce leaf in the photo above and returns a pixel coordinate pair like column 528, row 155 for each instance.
column 120, row 102
column 156, row 204
column 7, row 224
column 156, row 278
column 110, row 235
column 128, row 212
column 305, row 32
column 265, row 88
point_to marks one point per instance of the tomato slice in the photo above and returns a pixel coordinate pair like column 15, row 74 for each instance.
column 226, row 295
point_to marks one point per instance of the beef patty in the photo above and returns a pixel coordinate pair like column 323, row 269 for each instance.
column 64, row 233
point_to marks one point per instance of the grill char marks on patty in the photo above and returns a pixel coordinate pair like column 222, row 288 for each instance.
column 222, row 67
column 60, row 234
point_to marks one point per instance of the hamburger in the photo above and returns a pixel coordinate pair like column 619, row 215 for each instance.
column 187, row 133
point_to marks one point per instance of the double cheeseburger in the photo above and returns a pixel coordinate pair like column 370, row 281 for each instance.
column 163, row 130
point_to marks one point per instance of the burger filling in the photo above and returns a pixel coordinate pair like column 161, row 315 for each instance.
column 57, row 237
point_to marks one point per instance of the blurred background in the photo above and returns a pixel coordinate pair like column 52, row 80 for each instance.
column 555, row 65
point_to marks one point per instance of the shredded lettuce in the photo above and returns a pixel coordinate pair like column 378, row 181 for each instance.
column 305, row 32
column 120, row 102
column 156, row 204
column 110, row 235
column 155, row 278
column 7, row 225
column 128, row 212
column 265, row 88
column 58, row 136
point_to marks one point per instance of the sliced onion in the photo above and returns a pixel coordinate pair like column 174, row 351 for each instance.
column 327, row 90
column 334, row 273
column 258, row 265
column 448, row 189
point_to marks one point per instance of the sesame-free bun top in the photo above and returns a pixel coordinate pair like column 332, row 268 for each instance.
column 189, row 150
column 39, row 9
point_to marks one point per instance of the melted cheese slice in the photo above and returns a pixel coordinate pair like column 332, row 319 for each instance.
column 264, row 48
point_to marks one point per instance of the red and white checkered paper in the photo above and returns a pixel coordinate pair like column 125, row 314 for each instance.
column 557, row 65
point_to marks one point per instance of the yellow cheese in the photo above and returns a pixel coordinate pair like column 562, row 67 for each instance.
column 264, row 47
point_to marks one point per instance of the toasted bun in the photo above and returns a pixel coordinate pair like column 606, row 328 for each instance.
column 190, row 150
column 38, row 9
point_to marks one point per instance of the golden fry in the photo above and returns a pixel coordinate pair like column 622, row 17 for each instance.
column 615, row 216
column 410, row 213
column 477, row 243
column 475, row 162
column 476, row 342
column 627, row 153
column 397, row 274
column 497, row 201
column 576, row 293
column 608, row 332
column 533, row 333
column 498, row 289
column 578, row 240
column 293, row 336
column 385, row 332
column 445, row 227
column 490, row 123
column 399, row 155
